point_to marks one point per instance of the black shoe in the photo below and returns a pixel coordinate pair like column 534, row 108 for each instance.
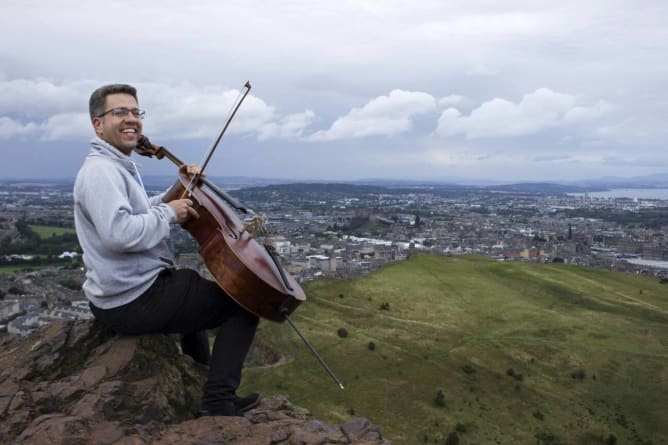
column 227, row 408
column 249, row 402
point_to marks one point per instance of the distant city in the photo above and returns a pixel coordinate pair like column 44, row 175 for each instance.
column 343, row 230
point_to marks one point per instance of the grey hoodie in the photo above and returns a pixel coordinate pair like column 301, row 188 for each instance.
column 122, row 232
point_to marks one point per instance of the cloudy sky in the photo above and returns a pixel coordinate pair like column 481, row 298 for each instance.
column 347, row 89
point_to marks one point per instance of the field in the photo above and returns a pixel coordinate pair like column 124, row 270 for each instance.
column 493, row 352
column 49, row 231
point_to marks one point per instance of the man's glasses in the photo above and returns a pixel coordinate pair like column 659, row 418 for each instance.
column 122, row 112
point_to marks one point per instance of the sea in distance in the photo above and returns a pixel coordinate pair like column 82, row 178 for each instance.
column 658, row 193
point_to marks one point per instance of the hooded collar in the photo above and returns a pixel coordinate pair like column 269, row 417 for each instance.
column 100, row 147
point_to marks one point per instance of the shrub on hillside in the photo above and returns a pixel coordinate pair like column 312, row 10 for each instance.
column 371, row 346
column 511, row 372
column 468, row 369
column 547, row 438
column 579, row 374
column 342, row 332
column 461, row 428
column 453, row 438
column 385, row 307
column 439, row 400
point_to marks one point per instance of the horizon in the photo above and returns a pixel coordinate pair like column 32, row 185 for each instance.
column 616, row 182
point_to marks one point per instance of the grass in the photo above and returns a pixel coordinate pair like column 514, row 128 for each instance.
column 459, row 324
column 49, row 231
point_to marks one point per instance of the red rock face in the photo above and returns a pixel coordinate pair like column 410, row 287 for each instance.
column 77, row 383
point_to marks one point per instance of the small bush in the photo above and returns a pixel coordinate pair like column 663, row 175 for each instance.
column 580, row 374
column 439, row 399
column 340, row 295
column 538, row 415
column 453, row 439
column 468, row 369
column 460, row 428
column 511, row 372
column 342, row 332
column 371, row 346
column 385, row 307
column 547, row 438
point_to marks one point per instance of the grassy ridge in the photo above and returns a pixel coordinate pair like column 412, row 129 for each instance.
column 521, row 353
column 48, row 231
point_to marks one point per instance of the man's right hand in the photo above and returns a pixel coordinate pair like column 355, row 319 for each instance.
column 183, row 209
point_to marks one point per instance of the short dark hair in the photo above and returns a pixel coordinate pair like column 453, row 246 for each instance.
column 96, row 102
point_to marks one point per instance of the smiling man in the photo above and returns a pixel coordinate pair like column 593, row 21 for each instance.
column 131, row 280
column 121, row 124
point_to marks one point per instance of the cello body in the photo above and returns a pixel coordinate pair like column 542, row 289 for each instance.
column 243, row 268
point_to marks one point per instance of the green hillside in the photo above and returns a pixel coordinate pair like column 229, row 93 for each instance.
column 501, row 353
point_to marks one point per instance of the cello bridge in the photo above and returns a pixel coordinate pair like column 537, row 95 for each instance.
column 254, row 227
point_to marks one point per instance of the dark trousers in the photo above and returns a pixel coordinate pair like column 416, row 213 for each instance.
column 181, row 301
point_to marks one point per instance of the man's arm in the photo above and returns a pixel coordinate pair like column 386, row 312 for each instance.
column 120, row 224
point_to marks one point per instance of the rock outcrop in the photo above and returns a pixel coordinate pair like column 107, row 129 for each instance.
column 77, row 383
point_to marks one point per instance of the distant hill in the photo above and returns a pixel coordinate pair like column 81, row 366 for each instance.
column 161, row 182
column 650, row 181
column 492, row 352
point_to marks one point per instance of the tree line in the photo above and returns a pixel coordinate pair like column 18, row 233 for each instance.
column 29, row 242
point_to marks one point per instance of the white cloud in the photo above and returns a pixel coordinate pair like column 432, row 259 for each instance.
column 291, row 126
column 537, row 111
column 67, row 126
column 181, row 111
column 186, row 112
column 452, row 100
column 9, row 128
column 383, row 116
column 39, row 97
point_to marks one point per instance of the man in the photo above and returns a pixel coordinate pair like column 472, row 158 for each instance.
column 131, row 282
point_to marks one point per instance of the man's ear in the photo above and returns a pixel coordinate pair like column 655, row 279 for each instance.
column 97, row 125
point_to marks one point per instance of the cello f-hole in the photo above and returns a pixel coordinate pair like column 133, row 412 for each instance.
column 229, row 233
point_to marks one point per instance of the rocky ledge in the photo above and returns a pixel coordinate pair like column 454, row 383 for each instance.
column 76, row 383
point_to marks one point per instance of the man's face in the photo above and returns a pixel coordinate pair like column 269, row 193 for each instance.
column 121, row 132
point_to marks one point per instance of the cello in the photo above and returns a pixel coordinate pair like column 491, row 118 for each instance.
column 251, row 273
